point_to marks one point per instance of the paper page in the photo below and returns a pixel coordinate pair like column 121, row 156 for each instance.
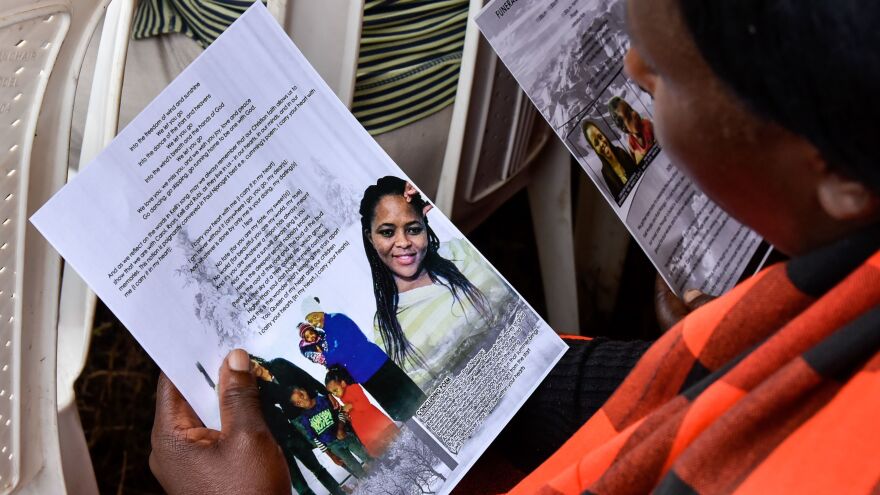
column 228, row 214
column 568, row 57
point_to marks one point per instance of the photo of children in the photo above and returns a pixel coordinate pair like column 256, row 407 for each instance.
column 337, row 404
column 323, row 423
column 334, row 340
column 374, row 429
column 437, row 303
column 618, row 166
column 276, row 380
column 352, row 420
column 312, row 344
column 639, row 131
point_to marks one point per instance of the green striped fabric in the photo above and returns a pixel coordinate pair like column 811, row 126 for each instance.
column 201, row 20
column 410, row 52
column 409, row 61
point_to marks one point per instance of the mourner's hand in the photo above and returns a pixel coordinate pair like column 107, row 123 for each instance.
column 670, row 309
column 340, row 435
column 243, row 457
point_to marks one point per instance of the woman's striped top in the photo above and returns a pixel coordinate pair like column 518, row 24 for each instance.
column 201, row 20
column 410, row 52
column 409, row 60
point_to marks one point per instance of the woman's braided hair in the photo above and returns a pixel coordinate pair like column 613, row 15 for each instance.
column 441, row 271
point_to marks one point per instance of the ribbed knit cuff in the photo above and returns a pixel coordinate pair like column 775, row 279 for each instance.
column 573, row 391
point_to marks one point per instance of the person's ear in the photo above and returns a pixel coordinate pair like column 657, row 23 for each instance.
column 843, row 198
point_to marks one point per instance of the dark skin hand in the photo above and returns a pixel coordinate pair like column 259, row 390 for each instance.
column 242, row 458
column 670, row 309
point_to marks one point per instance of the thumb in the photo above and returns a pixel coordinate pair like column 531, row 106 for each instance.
column 694, row 299
column 239, row 396
column 668, row 308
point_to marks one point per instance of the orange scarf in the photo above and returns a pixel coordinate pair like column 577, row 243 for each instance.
column 772, row 388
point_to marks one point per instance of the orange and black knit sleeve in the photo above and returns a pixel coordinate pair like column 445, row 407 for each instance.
column 575, row 389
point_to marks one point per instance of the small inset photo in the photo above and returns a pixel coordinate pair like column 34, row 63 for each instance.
column 616, row 165
column 613, row 138
column 638, row 130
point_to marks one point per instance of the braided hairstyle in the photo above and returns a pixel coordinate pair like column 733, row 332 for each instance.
column 441, row 271
column 338, row 374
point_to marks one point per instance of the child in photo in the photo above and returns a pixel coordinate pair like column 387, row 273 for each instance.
column 373, row 428
column 321, row 423
column 312, row 344
column 334, row 339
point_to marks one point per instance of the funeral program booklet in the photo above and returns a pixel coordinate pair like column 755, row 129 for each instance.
column 568, row 57
column 246, row 207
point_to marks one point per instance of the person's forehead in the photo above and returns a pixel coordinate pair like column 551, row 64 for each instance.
column 395, row 206
column 648, row 17
column 391, row 203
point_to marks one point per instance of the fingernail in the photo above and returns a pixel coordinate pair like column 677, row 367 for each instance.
column 239, row 360
column 691, row 295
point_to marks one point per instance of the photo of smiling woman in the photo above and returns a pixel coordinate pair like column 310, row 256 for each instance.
column 618, row 165
column 437, row 303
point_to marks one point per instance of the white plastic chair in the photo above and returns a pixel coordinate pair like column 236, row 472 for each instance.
column 43, row 43
column 326, row 31
column 497, row 145
column 77, row 301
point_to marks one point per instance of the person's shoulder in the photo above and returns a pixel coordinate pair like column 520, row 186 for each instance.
column 338, row 317
column 280, row 362
column 322, row 402
column 268, row 391
column 457, row 249
column 355, row 390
